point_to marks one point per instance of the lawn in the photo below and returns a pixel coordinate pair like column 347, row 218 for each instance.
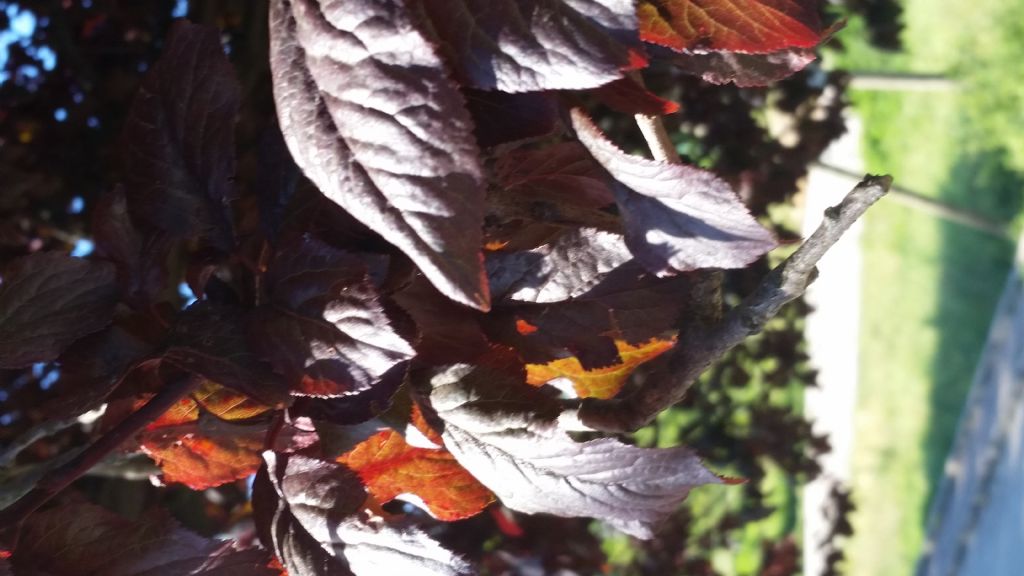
column 929, row 286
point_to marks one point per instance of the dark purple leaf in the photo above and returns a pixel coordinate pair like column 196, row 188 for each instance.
column 532, row 45
column 91, row 368
column 312, row 514
column 492, row 428
column 446, row 332
column 500, row 118
column 47, row 301
column 744, row 70
column 561, row 174
column 276, row 181
column 179, row 138
column 84, row 540
column 628, row 96
column 325, row 329
column 371, row 116
column 211, row 340
column 140, row 258
column 677, row 217
column 564, row 269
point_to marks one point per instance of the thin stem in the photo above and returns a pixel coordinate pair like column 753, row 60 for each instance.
column 60, row 478
column 674, row 373
column 654, row 132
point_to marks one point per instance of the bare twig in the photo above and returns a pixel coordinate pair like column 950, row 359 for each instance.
column 702, row 345
column 654, row 132
column 59, row 478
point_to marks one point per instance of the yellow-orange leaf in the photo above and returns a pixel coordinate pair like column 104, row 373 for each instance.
column 217, row 400
column 389, row 466
column 211, row 452
column 601, row 382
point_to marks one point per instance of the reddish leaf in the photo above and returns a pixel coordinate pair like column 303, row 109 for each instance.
column 751, row 26
column 179, row 138
column 389, row 467
column 325, row 329
column 86, row 540
column 203, row 442
column 532, row 45
column 47, row 301
column 629, row 97
column 493, row 428
column 314, row 515
column 599, row 382
column 677, row 217
column 744, row 70
column 371, row 116
column 204, row 453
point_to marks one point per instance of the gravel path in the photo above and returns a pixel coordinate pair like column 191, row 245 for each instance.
column 832, row 333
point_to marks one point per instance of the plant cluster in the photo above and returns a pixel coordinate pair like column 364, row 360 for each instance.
column 441, row 274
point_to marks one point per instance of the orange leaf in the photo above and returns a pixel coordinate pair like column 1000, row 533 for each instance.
column 203, row 448
column 388, row 466
column 749, row 26
column 203, row 458
column 601, row 382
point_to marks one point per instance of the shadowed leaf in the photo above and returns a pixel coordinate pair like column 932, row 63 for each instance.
column 86, row 540
column 677, row 217
column 140, row 258
column 179, row 138
column 629, row 97
column 628, row 304
column 47, row 301
column 211, row 340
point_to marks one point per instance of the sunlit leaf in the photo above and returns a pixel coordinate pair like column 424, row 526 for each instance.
column 532, row 45
column 505, row 433
column 390, row 467
column 751, row 26
column 599, row 382
column 371, row 116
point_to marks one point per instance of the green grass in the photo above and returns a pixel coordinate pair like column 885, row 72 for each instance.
column 930, row 287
